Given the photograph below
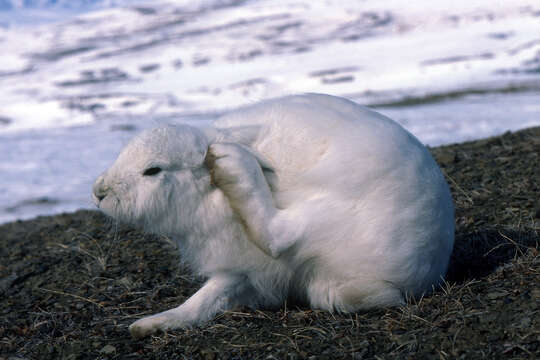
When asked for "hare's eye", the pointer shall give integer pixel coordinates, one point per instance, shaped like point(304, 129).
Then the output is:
point(152, 171)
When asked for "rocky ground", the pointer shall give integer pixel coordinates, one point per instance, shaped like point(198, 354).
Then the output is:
point(71, 284)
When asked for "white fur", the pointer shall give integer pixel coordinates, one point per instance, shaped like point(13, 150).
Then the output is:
point(309, 196)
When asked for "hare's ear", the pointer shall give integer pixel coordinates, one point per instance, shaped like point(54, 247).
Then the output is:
point(243, 134)
point(209, 159)
point(268, 172)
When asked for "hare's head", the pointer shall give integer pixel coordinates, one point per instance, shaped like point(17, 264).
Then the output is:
point(157, 179)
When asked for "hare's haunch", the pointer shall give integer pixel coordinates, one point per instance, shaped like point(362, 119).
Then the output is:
point(309, 196)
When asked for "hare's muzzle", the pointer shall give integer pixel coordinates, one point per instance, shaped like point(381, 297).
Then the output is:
point(99, 190)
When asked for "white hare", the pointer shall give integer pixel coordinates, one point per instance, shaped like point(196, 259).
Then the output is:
point(308, 196)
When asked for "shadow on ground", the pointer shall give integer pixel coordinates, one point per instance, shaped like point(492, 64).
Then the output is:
point(477, 255)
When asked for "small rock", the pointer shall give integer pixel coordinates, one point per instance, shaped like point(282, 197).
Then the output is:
point(200, 60)
point(489, 318)
point(108, 349)
point(126, 282)
point(525, 322)
point(504, 159)
point(208, 354)
point(149, 68)
point(143, 10)
point(495, 295)
point(358, 355)
point(5, 283)
point(446, 158)
point(123, 127)
point(292, 356)
point(177, 64)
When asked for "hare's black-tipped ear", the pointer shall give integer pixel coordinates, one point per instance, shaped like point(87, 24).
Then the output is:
point(209, 159)
point(209, 163)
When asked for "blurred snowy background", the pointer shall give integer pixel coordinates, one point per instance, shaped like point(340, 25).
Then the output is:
point(78, 78)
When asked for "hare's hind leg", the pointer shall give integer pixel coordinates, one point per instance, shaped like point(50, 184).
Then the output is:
point(352, 295)
point(239, 175)
point(221, 292)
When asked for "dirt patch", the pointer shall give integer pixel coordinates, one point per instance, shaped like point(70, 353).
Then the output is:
point(71, 284)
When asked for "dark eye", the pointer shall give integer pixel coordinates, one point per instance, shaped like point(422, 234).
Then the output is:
point(152, 171)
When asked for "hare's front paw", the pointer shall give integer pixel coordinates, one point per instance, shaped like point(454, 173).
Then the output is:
point(234, 169)
point(166, 320)
point(148, 325)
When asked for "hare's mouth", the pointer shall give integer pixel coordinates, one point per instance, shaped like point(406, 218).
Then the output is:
point(100, 200)
point(97, 201)
point(109, 205)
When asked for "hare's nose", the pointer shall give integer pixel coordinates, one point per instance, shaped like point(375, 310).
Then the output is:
point(99, 189)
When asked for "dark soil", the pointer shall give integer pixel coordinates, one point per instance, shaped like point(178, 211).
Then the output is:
point(71, 284)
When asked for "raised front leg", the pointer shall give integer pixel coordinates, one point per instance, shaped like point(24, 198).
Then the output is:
point(220, 293)
point(239, 175)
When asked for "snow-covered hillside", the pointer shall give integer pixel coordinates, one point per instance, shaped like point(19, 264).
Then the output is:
point(164, 58)
point(74, 90)
point(8, 5)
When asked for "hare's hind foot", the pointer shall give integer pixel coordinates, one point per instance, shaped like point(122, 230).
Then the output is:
point(237, 172)
point(353, 295)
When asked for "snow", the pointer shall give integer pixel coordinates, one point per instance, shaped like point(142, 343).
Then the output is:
point(80, 80)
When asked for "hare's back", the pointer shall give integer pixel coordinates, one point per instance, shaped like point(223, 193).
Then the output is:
point(317, 135)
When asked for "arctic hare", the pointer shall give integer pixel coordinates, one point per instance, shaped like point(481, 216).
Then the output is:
point(308, 196)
